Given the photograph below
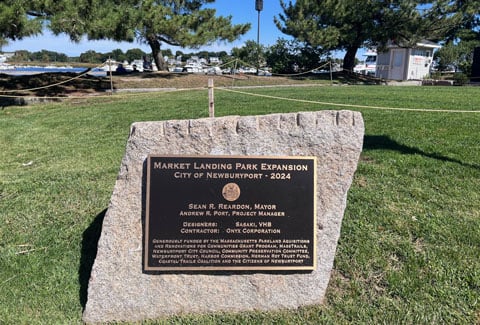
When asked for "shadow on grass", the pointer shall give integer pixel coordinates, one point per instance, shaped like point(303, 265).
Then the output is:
point(162, 75)
point(346, 77)
point(52, 84)
point(383, 142)
point(89, 252)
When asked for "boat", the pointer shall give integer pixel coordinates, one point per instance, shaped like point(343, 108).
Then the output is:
point(3, 61)
point(193, 67)
point(369, 65)
point(5, 66)
point(214, 70)
point(136, 65)
point(109, 65)
point(5, 56)
point(176, 69)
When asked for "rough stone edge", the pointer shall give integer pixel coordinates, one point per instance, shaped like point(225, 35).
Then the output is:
point(343, 122)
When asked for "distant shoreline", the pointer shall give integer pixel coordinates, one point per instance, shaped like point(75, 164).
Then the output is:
point(25, 70)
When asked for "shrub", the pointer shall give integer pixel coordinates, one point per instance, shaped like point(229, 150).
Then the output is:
point(460, 79)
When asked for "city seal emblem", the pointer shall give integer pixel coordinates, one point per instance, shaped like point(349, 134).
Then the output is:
point(231, 192)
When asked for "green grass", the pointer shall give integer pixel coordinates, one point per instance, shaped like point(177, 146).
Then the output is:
point(410, 243)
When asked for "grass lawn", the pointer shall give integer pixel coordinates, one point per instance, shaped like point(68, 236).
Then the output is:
point(410, 243)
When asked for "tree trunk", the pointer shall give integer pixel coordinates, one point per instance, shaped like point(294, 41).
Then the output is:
point(349, 58)
point(157, 54)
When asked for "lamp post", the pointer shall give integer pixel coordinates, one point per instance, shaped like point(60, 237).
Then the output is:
point(258, 8)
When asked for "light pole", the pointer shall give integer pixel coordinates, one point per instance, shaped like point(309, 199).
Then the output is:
point(258, 8)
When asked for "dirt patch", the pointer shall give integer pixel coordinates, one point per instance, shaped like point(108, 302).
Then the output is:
point(182, 81)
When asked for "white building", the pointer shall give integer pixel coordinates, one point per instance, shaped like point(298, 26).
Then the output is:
point(215, 60)
point(406, 63)
point(4, 56)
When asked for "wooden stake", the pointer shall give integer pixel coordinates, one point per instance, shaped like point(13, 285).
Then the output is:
point(109, 62)
point(331, 73)
point(211, 100)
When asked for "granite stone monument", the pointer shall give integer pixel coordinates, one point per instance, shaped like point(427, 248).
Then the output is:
point(255, 152)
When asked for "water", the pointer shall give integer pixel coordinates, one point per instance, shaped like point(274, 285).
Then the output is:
point(25, 71)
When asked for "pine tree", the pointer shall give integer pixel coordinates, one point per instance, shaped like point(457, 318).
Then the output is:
point(182, 23)
point(15, 23)
point(350, 24)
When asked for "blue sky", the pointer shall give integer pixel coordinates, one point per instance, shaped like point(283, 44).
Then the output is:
point(242, 11)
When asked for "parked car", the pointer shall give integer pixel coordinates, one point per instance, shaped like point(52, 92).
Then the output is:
point(265, 73)
point(214, 70)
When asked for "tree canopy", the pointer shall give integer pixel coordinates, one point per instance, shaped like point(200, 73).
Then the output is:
point(250, 53)
point(350, 24)
point(189, 25)
point(182, 23)
point(15, 23)
point(292, 56)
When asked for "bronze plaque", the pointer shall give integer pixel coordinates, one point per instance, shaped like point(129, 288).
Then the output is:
point(230, 213)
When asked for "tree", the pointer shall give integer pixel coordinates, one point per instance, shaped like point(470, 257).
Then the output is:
point(446, 57)
point(469, 40)
point(175, 22)
point(350, 24)
point(155, 22)
point(15, 22)
point(134, 54)
point(462, 37)
point(23, 18)
point(225, 58)
point(48, 56)
point(118, 55)
point(458, 54)
point(251, 53)
point(292, 56)
point(460, 19)
point(344, 25)
point(21, 56)
point(91, 57)
point(167, 52)
point(280, 58)
point(309, 56)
